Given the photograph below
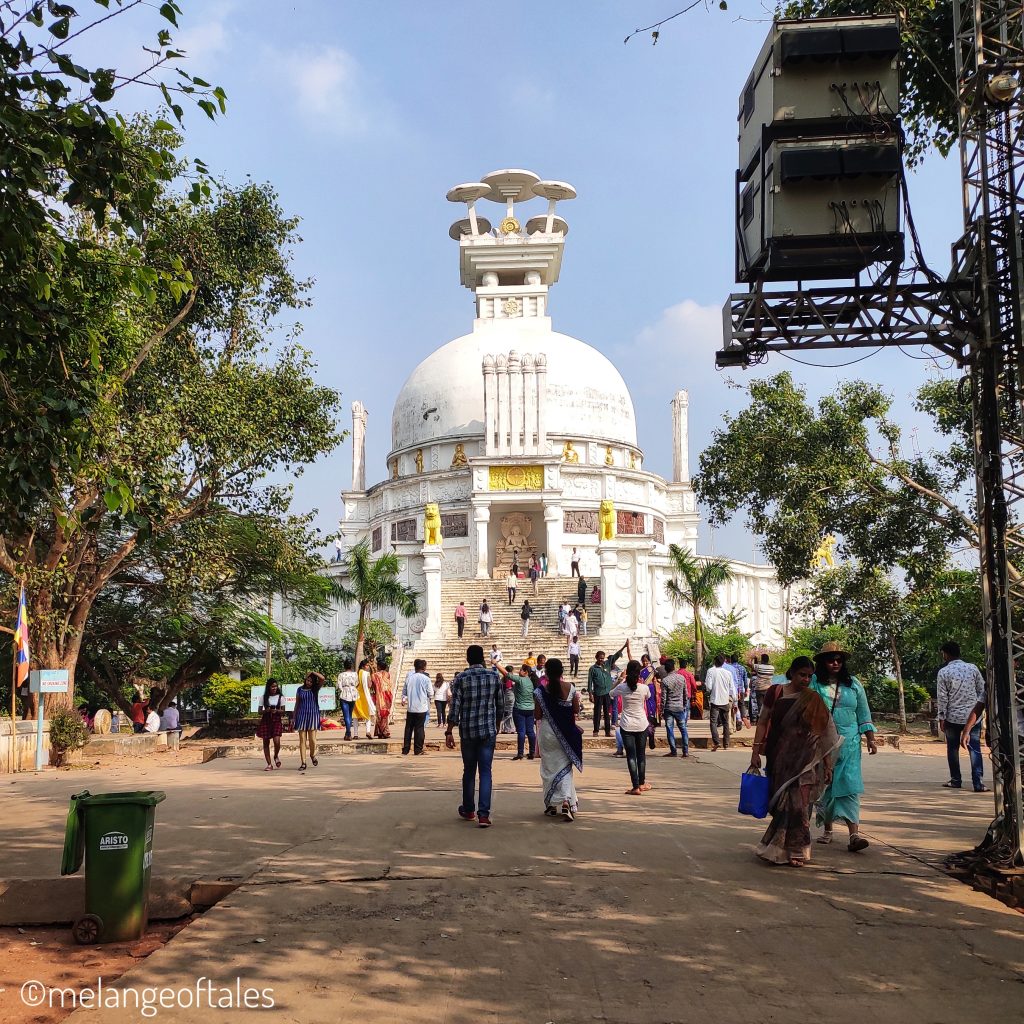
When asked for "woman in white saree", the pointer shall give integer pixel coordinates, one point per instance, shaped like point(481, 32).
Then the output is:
point(559, 740)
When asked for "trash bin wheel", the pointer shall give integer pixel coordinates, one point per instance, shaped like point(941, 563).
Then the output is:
point(87, 929)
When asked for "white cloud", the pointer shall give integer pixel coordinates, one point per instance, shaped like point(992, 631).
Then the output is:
point(328, 88)
point(205, 41)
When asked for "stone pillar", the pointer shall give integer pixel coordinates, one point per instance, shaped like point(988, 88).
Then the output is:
point(432, 595)
point(529, 405)
point(490, 405)
point(481, 517)
point(609, 559)
point(501, 369)
point(515, 403)
point(542, 403)
point(553, 524)
point(680, 438)
point(359, 416)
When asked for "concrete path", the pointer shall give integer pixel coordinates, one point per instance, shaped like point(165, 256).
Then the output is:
point(377, 904)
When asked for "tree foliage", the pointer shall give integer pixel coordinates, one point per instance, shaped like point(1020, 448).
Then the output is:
point(81, 191)
point(196, 413)
point(373, 583)
point(378, 636)
point(193, 601)
point(799, 472)
point(694, 584)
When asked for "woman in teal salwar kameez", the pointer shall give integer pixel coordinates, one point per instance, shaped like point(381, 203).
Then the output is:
point(845, 698)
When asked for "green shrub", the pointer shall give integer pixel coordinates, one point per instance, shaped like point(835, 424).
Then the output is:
point(225, 697)
point(67, 733)
point(883, 696)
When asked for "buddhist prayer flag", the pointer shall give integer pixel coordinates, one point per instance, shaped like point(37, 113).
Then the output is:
point(21, 654)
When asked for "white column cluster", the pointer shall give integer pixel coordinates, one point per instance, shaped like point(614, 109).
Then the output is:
point(515, 403)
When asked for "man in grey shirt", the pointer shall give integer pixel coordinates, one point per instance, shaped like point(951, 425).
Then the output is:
point(675, 707)
point(762, 672)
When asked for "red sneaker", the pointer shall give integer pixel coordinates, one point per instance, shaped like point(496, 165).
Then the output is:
point(485, 821)
point(467, 815)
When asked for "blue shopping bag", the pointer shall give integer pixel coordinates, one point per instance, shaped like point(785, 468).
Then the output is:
point(754, 794)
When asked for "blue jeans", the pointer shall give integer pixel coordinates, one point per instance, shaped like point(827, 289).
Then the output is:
point(346, 713)
point(953, 733)
point(477, 755)
point(524, 730)
point(619, 749)
point(671, 719)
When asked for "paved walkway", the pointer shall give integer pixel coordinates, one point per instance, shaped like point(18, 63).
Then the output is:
point(378, 905)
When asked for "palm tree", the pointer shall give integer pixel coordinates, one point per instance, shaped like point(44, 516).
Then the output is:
point(373, 583)
point(696, 584)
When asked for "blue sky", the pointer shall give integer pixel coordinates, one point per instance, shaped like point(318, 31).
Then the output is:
point(362, 115)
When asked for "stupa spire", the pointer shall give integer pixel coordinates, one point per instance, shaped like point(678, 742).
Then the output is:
point(511, 268)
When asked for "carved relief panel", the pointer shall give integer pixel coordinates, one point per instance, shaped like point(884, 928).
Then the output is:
point(580, 521)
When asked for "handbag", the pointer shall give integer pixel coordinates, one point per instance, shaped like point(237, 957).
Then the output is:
point(754, 794)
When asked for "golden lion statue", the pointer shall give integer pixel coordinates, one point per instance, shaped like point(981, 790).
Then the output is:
point(823, 557)
point(606, 518)
point(432, 524)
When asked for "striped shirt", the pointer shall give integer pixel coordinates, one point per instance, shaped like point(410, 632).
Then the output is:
point(478, 702)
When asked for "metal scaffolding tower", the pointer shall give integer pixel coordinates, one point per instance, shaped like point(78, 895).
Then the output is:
point(976, 317)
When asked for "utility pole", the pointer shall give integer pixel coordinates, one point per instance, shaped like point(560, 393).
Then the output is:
point(975, 316)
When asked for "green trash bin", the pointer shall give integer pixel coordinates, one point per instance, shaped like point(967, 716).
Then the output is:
point(113, 832)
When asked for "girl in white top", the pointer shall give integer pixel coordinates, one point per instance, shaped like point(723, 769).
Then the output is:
point(441, 691)
point(633, 725)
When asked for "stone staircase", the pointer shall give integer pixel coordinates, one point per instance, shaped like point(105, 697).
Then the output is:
point(448, 654)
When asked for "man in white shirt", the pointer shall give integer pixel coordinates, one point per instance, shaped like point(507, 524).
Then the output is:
point(574, 656)
point(170, 720)
point(496, 658)
point(152, 721)
point(574, 563)
point(416, 694)
point(960, 690)
point(720, 685)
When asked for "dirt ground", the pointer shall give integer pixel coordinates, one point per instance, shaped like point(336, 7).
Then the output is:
point(50, 954)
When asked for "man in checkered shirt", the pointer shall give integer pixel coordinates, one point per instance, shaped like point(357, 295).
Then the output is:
point(960, 689)
point(477, 708)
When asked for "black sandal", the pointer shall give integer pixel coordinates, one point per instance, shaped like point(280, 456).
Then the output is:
point(302, 767)
point(316, 763)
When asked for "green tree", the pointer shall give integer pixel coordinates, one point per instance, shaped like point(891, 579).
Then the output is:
point(378, 636)
point(298, 654)
point(806, 640)
point(876, 614)
point(189, 602)
point(695, 584)
point(373, 583)
point(191, 423)
point(76, 180)
point(800, 472)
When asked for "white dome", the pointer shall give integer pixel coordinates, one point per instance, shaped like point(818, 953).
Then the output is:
point(444, 395)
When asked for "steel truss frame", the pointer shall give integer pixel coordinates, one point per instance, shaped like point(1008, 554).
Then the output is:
point(976, 318)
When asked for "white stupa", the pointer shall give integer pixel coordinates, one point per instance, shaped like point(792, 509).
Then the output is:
point(520, 435)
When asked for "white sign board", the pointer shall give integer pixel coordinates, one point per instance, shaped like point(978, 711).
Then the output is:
point(48, 680)
point(327, 698)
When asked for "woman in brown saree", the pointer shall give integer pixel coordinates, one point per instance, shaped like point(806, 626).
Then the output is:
point(798, 737)
point(380, 687)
